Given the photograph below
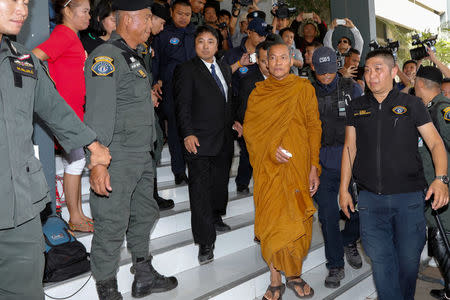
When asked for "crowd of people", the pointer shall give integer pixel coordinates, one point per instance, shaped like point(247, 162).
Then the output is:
point(310, 126)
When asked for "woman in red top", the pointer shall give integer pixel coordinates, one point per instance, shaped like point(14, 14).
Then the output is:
point(66, 56)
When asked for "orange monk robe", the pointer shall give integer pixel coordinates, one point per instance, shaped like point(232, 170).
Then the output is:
point(283, 112)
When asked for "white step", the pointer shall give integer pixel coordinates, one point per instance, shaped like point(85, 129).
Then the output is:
point(181, 220)
point(172, 254)
point(362, 291)
point(165, 177)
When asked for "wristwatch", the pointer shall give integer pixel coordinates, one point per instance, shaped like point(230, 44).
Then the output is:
point(443, 178)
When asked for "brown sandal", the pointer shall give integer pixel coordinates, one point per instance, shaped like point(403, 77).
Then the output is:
point(85, 226)
point(290, 283)
point(273, 289)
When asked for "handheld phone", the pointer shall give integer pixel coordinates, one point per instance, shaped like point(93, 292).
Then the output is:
point(340, 22)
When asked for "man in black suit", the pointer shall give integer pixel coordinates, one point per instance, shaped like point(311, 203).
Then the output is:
point(202, 93)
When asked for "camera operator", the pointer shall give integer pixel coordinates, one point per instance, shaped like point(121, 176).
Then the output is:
point(428, 87)
point(281, 14)
point(308, 30)
point(210, 16)
point(345, 42)
point(350, 69)
point(224, 17)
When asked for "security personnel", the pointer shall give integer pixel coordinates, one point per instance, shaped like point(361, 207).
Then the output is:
point(25, 89)
point(383, 128)
point(173, 46)
point(333, 93)
point(427, 87)
point(119, 107)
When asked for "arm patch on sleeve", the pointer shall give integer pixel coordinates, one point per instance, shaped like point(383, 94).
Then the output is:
point(446, 114)
point(103, 66)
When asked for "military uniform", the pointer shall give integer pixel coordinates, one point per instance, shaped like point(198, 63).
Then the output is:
point(26, 88)
point(120, 109)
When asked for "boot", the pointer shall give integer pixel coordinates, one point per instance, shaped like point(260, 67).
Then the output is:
point(147, 280)
point(437, 245)
point(163, 204)
point(107, 289)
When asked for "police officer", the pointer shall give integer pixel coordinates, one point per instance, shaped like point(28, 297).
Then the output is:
point(174, 45)
point(119, 107)
point(25, 89)
point(427, 87)
point(382, 131)
point(333, 93)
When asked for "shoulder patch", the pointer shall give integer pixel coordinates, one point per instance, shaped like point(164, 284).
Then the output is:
point(174, 41)
point(103, 66)
point(243, 70)
point(399, 110)
point(446, 113)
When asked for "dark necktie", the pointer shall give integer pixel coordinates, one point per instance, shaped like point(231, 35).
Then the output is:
point(216, 78)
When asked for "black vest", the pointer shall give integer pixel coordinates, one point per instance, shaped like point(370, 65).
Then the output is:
point(332, 111)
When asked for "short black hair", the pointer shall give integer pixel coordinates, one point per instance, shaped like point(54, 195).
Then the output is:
point(353, 51)
point(314, 44)
point(206, 28)
point(100, 12)
point(224, 12)
point(385, 53)
point(180, 2)
point(276, 43)
point(409, 61)
point(209, 5)
point(264, 46)
point(282, 31)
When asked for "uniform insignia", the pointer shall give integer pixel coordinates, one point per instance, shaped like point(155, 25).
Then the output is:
point(23, 67)
point(446, 113)
point(243, 70)
point(174, 41)
point(142, 73)
point(23, 57)
point(362, 112)
point(399, 110)
point(145, 49)
point(103, 66)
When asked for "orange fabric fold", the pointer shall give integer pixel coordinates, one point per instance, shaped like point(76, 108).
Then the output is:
point(283, 112)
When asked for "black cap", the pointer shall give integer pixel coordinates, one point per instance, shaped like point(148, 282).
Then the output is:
point(257, 14)
point(161, 10)
point(131, 5)
point(430, 73)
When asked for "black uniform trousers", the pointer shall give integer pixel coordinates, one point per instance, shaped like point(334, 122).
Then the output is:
point(208, 191)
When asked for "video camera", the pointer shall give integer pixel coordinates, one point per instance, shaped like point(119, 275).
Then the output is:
point(421, 52)
point(390, 45)
point(283, 11)
point(242, 2)
point(222, 26)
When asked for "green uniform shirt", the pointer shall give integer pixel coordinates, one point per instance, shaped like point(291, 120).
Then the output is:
point(439, 109)
point(26, 88)
point(118, 97)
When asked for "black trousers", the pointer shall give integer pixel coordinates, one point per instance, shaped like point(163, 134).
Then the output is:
point(208, 192)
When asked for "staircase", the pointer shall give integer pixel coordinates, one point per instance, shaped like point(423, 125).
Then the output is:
point(238, 271)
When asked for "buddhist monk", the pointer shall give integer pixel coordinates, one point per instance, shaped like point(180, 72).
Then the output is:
point(283, 131)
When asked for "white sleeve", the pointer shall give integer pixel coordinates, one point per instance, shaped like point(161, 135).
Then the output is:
point(327, 41)
point(359, 42)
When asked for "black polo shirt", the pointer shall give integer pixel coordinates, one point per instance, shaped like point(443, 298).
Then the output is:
point(387, 158)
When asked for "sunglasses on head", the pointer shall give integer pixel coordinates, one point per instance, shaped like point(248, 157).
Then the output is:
point(343, 41)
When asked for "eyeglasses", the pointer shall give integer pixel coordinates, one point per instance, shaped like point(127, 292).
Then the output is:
point(343, 41)
point(67, 3)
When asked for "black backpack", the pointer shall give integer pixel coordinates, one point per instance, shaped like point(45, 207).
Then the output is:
point(65, 257)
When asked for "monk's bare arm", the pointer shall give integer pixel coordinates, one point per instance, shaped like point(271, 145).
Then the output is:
point(348, 157)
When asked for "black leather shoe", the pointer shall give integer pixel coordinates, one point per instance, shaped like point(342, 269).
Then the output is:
point(164, 204)
point(242, 189)
point(221, 226)
point(179, 178)
point(205, 254)
point(147, 280)
point(438, 294)
point(107, 289)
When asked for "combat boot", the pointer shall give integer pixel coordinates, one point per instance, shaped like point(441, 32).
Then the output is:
point(438, 250)
point(107, 289)
point(147, 280)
